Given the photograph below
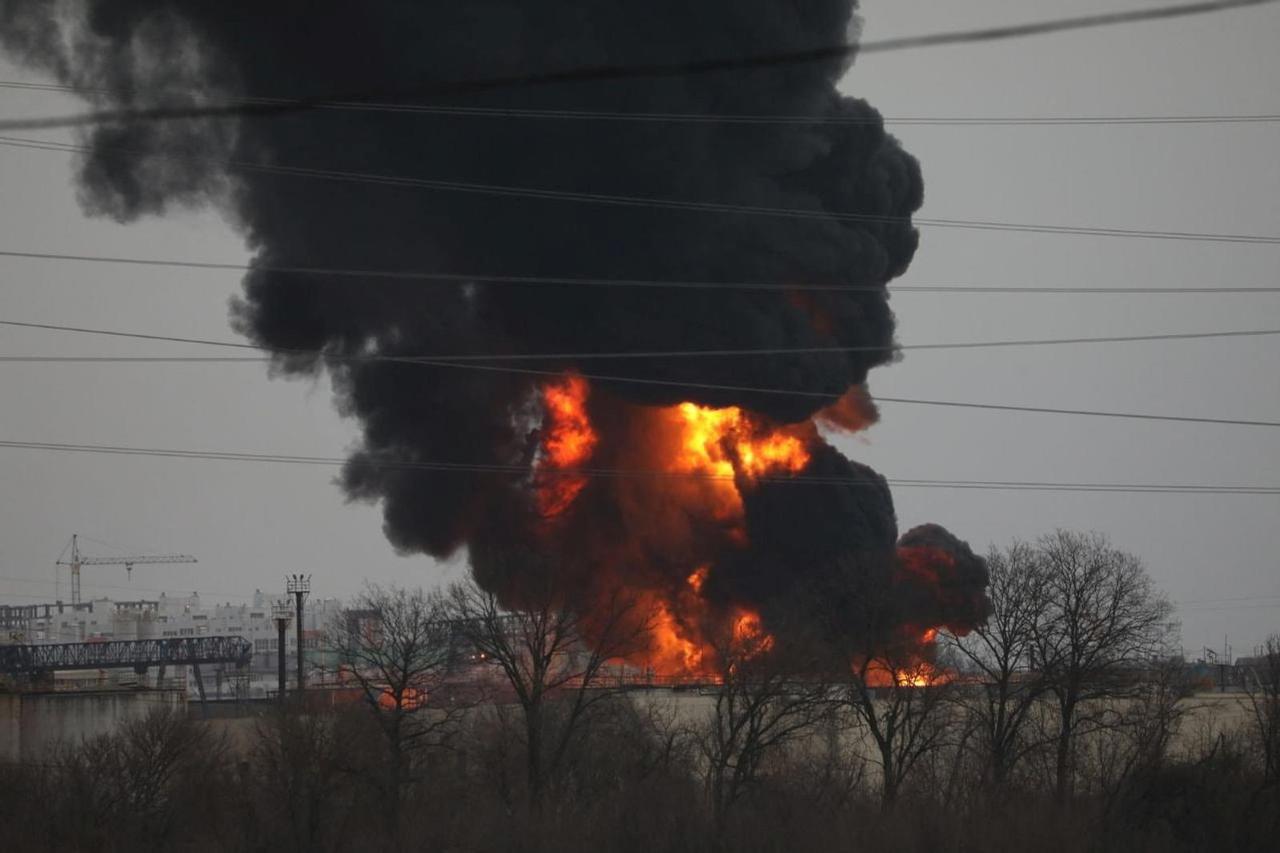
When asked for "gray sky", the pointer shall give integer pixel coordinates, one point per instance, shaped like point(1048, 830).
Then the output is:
point(250, 523)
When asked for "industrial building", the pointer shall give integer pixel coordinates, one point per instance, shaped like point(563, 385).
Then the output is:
point(165, 617)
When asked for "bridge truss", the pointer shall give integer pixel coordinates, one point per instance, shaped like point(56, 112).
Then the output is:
point(135, 654)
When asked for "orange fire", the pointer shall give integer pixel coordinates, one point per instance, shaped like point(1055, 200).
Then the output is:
point(919, 673)
point(567, 441)
point(411, 699)
point(723, 444)
point(726, 441)
point(677, 649)
point(749, 635)
point(697, 579)
point(917, 676)
point(670, 648)
point(729, 449)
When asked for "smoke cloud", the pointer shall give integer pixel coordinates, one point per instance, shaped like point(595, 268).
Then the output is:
point(642, 531)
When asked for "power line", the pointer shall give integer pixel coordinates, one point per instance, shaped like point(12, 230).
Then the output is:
point(446, 278)
point(691, 385)
point(611, 200)
point(587, 356)
point(521, 470)
point(749, 118)
point(655, 70)
point(590, 376)
point(596, 377)
point(1069, 120)
point(578, 356)
point(1054, 26)
point(1080, 412)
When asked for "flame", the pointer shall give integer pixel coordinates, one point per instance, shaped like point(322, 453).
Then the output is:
point(677, 645)
point(697, 579)
point(671, 649)
point(567, 441)
point(676, 648)
point(411, 699)
point(731, 449)
point(726, 445)
point(749, 636)
point(919, 673)
point(716, 439)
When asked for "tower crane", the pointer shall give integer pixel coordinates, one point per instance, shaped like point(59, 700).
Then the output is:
point(77, 560)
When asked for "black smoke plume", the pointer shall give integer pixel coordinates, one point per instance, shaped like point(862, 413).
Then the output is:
point(143, 53)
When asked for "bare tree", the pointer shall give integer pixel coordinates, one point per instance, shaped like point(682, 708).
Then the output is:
point(764, 703)
point(1156, 711)
point(1262, 686)
point(1103, 619)
point(395, 645)
point(1001, 651)
point(904, 704)
point(140, 786)
point(555, 675)
point(1134, 749)
point(298, 758)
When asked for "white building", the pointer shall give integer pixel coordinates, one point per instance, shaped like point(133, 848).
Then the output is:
point(190, 616)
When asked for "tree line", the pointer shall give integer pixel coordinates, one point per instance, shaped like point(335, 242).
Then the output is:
point(1063, 723)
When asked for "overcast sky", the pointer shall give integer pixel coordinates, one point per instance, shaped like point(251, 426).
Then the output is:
point(1216, 555)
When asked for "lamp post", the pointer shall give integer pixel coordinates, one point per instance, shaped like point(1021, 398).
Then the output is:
point(298, 586)
point(282, 613)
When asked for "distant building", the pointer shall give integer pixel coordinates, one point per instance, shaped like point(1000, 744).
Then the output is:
point(184, 616)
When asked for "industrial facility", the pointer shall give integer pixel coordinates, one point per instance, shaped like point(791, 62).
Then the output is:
point(74, 669)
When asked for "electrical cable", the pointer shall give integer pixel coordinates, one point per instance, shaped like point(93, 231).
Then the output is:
point(654, 70)
point(746, 118)
point(482, 278)
point(611, 200)
point(590, 376)
point(625, 379)
point(642, 354)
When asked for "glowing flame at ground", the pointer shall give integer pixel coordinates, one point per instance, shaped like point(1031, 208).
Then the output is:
point(724, 444)
point(917, 676)
point(920, 672)
point(671, 651)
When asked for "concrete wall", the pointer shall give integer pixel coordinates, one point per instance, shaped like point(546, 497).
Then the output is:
point(10, 714)
point(32, 723)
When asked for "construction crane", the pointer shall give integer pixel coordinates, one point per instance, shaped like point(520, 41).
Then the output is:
point(77, 560)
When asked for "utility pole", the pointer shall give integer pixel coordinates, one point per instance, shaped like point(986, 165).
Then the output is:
point(298, 586)
point(282, 613)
